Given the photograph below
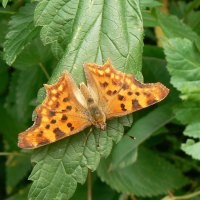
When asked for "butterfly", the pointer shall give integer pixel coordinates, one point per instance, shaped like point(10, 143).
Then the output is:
point(68, 109)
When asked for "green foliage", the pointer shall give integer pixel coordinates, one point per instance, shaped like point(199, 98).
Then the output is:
point(184, 67)
point(41, 39)
point(21, 32)
point(137, 178)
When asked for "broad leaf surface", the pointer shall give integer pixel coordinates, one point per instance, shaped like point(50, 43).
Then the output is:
point(184, 67)
point(124, 153)
point(100, 29)
point(149, 176)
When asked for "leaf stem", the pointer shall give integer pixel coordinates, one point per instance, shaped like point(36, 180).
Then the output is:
point(44, 70)
point(89, 185)
point(13, 154)
point(184, 197)
point(7, 12)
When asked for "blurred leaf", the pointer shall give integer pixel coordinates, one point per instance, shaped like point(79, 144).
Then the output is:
point(4, 77)
point(10, 101)
point(192, 148)
point(33, 55)
point(29, 82)
point(4, 3)
point(21, 32)
point(20, 195)
point(17, 167)
point(141, 130)
point(149, 19)
point(193, 130)
point(9, 128)
point(149, 3)
point(184, 67)
point(23, 90)
point(99, 31)
point(173, 27)
point(192, 19)
point(149, 176)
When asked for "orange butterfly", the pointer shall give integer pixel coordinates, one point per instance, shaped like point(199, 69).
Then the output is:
point(68, 110)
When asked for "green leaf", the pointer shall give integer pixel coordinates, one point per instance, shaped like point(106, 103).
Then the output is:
point(184, 67)
point(20, 195)
point(10, 127)
point(100, 30)
point(141, 130)
point(4, 3)
point(23, 91)
point(17, 168)
point(149, 3)
point(192, 148)
point(193, 130)
point(56, 19)
point(33, 56)
point(29, 82)
point(149, 176)
point(60, 166)
point(21, 32)
point(173, 27)
point(4, 77)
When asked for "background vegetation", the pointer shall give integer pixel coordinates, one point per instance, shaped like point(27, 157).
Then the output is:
point(157, 41)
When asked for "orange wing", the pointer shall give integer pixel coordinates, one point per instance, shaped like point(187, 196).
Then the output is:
point(120, 93)
point(60, 115)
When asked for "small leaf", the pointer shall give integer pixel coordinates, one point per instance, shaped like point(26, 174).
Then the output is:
point(21, 32)
point(149, 176)
point(193, 130)
point(4, 3)
point(192, 148)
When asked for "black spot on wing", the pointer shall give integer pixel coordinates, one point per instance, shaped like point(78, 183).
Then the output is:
point(135, 104)
point(58, 133)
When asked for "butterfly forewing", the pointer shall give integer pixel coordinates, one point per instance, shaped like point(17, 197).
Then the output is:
point(59, 116)
point(122, 93)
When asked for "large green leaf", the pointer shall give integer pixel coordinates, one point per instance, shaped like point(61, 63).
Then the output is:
point(21, 32)
point(150, 175)
point(125, 152)
point(184, 67)
point(100, 30)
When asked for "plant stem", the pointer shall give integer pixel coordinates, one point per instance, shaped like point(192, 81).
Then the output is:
point(13, 154)
point(44, 70)
point(7, 12)
point(89, 185)
point(184, 197)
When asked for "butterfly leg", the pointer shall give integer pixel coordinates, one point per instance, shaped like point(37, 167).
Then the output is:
point(87, 136)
